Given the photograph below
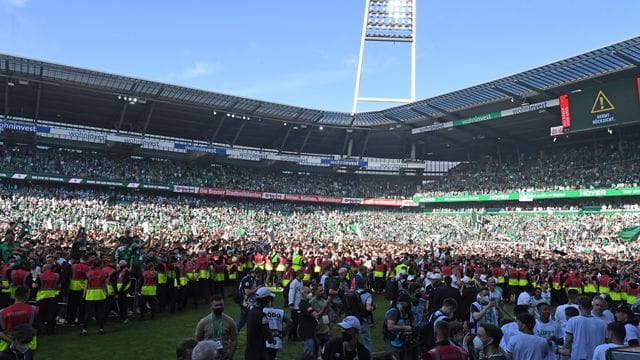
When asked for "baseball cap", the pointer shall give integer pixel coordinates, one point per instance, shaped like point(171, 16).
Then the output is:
point(436, 276)
point(350, 322)
point(466, 279)
point(264, 292)
point(411, 278)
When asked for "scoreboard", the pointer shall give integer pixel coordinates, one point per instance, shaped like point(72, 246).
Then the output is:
point(609, 104)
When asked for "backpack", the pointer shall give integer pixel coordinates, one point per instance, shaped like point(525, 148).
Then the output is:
point(387, 334)
point(430, 336)
point(238, 295)
point(391, 290)
point(353, 305)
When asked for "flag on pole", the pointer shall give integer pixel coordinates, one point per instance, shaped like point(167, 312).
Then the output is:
point(630, 234)
point(355, 228)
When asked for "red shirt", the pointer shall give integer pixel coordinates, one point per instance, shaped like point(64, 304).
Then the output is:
point(17, 314)
point(96, 279)
point(79, 271)
point(19, 277)
point(48, 280)
point(203, 263)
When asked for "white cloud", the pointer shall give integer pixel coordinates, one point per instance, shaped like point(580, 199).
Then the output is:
point(15, 3)
point(202, 68)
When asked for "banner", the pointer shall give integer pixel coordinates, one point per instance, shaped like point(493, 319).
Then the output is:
point(490, 116)
point(530, 196)
point(565, 115)
point(630, 234)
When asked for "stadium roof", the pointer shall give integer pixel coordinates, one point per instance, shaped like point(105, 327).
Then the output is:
point(54, 92)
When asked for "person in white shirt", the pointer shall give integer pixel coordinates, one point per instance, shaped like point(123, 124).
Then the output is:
point(583, 333)
point(511, 329)
point(625, 315)
point(525, 297)
point(548, 330)
point(295, 296)
point(526, 345)
point(560, 316)
point(600, 310)
point(615, 333)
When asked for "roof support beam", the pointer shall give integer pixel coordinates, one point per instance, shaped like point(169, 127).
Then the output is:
point(37, 112)
point(507, 93)
point(6, 98)
point(124, 111)
point(420, 112)
point(344, 144)
point(284, 140)
point(235, 138)
point(550, 94)
point(391, 117)
point(448, 113)
point(148, 119)
point(306, 138)
point(364, 146)
point(215, 133)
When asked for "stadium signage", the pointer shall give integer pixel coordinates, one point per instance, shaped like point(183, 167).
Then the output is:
point(609, 104)
point(490, 116)
point(347, 162)
point(94, 136)
point(18, 127)
point(530, 196)
point(201, 148)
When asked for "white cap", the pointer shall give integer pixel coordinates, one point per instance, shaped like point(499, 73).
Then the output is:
point(436, 276)
point(466, 279)
point(410, 278)
point(483, 278)
point(350, 322)
point(264, 292)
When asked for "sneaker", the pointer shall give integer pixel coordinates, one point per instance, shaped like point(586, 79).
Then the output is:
point(126, 321)
point(101, 332)
point(83, 332)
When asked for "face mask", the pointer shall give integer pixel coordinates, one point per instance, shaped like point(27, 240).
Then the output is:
point(218, 311)
point(477, 344)
point(484, 300)
point(309, 296)
point(346, 337)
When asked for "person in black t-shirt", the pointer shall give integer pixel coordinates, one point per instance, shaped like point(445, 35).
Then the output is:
point(346, 347)
point(258, 332)
point(307, 323)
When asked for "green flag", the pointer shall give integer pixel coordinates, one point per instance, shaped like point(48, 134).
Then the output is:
point(355, 228)
point(630, 234)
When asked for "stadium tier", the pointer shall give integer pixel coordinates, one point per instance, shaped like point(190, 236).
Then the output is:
point(529, 181)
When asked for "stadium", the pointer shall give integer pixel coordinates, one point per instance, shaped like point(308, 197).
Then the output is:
point(530, 180)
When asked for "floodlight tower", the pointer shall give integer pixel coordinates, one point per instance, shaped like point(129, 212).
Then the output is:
point(388, 20)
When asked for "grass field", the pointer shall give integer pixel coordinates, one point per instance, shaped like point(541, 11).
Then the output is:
point(157, 339)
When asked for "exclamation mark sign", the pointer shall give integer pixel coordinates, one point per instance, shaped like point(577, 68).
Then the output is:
point(601, 102)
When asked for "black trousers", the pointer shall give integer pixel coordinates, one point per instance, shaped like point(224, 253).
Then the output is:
point(95, 308)
point(293, 330)
point(192, 292)
point(75, 306)
point(203, 288)
point(48, 310)
point(123, 305)
point(147, 299)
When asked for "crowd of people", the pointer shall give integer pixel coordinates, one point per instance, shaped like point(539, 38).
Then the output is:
point(603, 165)
point(137, 254)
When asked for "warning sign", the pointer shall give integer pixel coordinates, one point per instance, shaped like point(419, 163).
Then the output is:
point(602, 104)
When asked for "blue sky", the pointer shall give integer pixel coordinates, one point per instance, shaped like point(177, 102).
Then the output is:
point(305, 53)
